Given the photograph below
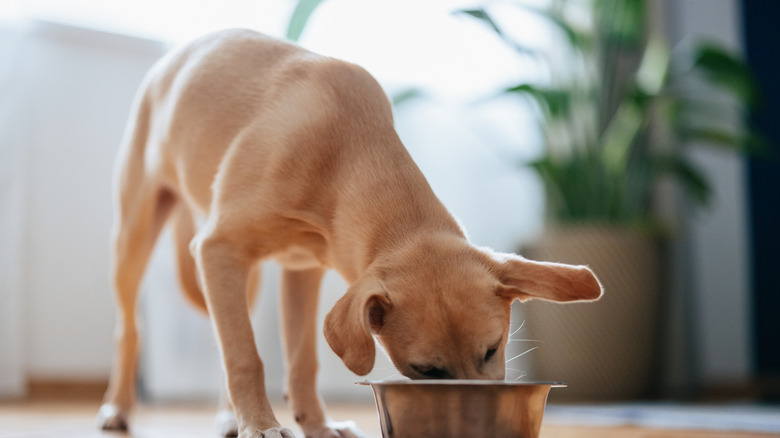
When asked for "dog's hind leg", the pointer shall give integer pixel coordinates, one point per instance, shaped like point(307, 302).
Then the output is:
point(142, 208)
point(299, 299)
point(142, 216)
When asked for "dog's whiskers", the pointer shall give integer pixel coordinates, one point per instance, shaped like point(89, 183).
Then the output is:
point(521, 354)
point(520, 373)
point(517, 329)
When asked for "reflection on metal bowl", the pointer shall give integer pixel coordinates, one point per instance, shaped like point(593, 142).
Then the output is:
point(460, 408)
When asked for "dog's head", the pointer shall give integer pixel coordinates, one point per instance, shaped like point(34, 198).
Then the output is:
point(441, 309)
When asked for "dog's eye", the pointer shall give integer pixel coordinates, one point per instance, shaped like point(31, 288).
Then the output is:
point(430, 372)
point(490, 353)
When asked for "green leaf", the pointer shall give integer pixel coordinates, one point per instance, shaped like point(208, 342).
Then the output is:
point(726, 70)
point(300, 16)
point(556, 102)
point(742, 140)
point(558, 185)
point(407, 95)
point(576, 38)
point(622, 22)
point(689, 176)
point(653, 69)
point(621, 132)
point(482, 15)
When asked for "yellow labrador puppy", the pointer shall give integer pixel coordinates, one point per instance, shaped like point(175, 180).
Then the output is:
point(289, 155)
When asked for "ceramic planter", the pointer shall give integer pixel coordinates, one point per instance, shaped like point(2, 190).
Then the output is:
point(604, 350)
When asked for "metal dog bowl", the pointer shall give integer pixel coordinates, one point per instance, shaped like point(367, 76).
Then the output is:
point(460, 408)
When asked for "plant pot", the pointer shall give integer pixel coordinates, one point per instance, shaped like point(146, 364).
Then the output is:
point(604, 350)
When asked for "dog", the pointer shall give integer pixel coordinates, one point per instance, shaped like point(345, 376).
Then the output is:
point(288, 155)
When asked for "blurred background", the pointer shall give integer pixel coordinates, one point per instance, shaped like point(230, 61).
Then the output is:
point(532, 120)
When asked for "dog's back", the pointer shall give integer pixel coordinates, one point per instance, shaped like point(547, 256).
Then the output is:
point(239, 83)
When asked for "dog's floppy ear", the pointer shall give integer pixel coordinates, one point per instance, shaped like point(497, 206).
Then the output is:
point(520, 278)
point(351, 322)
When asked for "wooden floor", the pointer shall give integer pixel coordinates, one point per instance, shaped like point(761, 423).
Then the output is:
point(75, 419)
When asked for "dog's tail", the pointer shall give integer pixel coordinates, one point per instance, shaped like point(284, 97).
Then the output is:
point(183, 232)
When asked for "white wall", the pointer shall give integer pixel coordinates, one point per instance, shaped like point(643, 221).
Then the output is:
point(71, 91)
point(12, 164)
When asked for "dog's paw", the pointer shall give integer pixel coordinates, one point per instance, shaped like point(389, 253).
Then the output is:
point(227, 424)
point(337, 429)
point(276, 432)
point(112, 418)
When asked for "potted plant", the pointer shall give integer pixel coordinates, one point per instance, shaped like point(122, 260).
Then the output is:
point(618, 115)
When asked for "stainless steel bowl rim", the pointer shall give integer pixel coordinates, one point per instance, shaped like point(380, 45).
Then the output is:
point(453, 382)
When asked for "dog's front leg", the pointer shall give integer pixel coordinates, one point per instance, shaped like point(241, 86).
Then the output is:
point(224, 272)
point(299, 298)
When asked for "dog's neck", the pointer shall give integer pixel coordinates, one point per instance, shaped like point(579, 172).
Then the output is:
point(401, 209)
